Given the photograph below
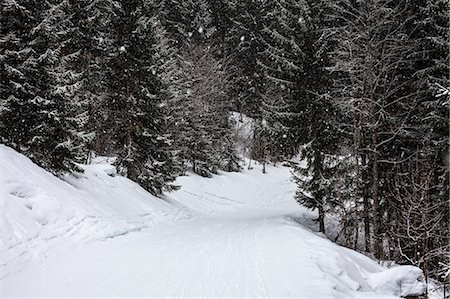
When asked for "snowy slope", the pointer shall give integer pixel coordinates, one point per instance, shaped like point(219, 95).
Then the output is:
point(242, 242)
point(40, 212)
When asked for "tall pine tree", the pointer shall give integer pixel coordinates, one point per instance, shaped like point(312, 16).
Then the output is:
point(138, 98)
point(36, 114)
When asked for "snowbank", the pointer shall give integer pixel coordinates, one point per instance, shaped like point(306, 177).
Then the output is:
point(401, 281)
point(40, 212)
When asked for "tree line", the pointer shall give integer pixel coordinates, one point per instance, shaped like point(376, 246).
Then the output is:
point(123, 78)
point(358, 88)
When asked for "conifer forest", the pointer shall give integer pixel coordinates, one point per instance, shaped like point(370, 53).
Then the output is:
point(345, 103)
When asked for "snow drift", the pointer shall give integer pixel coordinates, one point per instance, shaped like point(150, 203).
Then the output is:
point(40, 211)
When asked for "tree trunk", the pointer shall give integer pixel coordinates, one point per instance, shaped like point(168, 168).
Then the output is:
point(369, 92)
point(130, 160)
point(356, 228)
point(375, 198)
point(98, 138)
point(321, 218)
point(318, 168)
point(366, 206)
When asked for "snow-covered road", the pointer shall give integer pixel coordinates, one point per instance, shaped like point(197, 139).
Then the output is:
point(254, 254)
point(237, 238)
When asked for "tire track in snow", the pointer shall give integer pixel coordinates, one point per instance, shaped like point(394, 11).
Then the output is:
point(259, 262)
point(234, 260)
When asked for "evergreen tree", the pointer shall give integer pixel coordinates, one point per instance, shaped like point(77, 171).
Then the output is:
point(207, 129)
point(170, 70)
point(423, 147)
point(199, 118)
point(245, 45)
point(65, 79)
point(92, 38)
point(282, 60)
point(222, 15)
point(298, 109)
point(186, 21)
point(35, 113)
point(137, 92)
point(237, 40)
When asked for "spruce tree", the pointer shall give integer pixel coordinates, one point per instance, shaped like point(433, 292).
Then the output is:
point(207, 128)
point(423, 146)
point(282, 61)
point(92, 38)
point(237, 40)
point(169, 68)
point(186, 21)
point(245, 45)
point(298, 110)
point(141, 126)
point(36, 115)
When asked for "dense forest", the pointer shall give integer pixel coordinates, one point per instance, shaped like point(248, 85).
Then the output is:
point(358, 88)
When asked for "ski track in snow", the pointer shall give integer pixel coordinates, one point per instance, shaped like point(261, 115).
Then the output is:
point(241, 244)
point(205, 257)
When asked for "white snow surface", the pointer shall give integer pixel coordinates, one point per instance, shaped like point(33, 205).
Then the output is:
point(41, 213)
point(234, 235)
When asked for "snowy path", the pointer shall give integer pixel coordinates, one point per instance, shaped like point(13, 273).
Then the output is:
point(258, 255)
point(241, 244)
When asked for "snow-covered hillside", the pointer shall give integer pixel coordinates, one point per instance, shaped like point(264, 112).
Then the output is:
point(40, 212)
point(233, 235)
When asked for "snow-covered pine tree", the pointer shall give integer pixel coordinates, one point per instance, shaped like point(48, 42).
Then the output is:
point(35, 117)
point(299, 110)
point(371, 46)
point(419, 178)
point(144, 153)
point(222, 14)
point(92, 38)
point(244, 44)
point(237, 41)
point(186, 21)
point(198, 90)
point(17, 65)
point(169, 69)
point(282, 61)
point(66, 80)
point(207, 128)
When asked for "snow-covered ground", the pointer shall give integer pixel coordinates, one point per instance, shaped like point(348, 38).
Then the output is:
point(233, 235)
point(42, 214)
